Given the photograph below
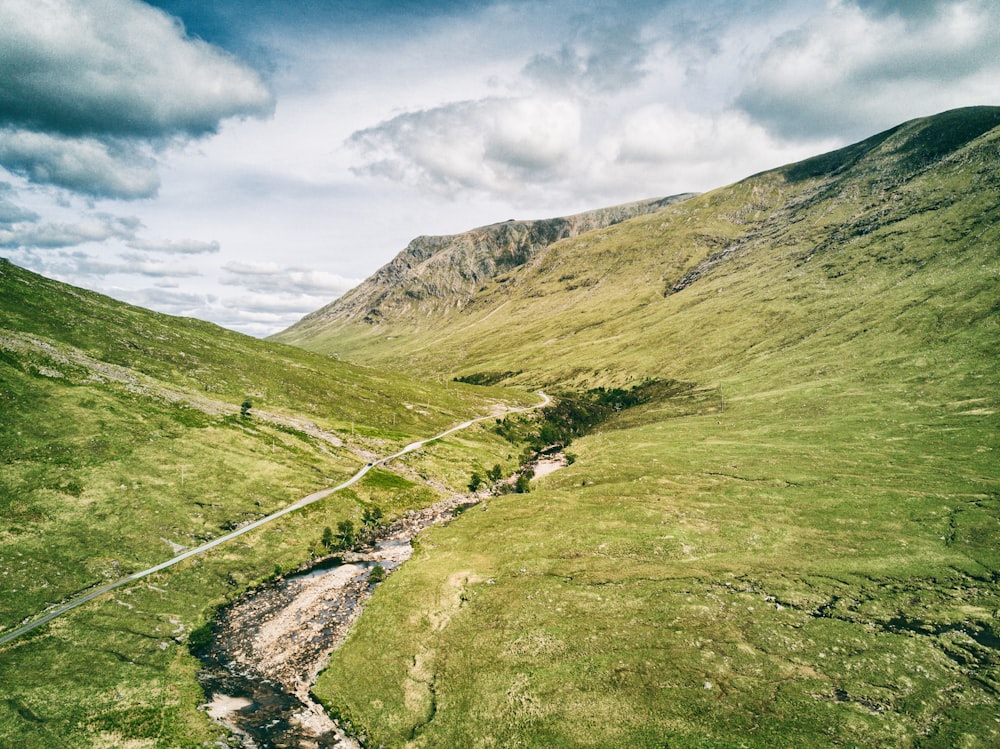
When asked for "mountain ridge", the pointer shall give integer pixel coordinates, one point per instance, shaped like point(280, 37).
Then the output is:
point(437, 273)
point(624, 282)
point(808, 557)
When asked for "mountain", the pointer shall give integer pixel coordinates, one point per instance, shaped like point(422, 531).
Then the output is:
point(779, 404)
point(813, 251)
point(435, 275)
point(788, 539)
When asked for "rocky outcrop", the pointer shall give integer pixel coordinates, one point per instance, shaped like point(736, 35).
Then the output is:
point(434, 274)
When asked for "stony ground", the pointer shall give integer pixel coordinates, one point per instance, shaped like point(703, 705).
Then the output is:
point(285, 632)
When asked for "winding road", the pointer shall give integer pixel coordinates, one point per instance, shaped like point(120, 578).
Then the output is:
point(305, 501)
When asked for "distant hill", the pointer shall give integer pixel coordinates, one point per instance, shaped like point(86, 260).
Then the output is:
point(792, 542)
point(435, 275)
point(864, 242)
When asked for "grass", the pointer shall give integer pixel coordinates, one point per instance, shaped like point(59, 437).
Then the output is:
point(121, 444)
point(728, 580)
point(808, 559)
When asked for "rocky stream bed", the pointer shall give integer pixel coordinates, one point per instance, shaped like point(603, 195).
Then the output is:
point(271, 643)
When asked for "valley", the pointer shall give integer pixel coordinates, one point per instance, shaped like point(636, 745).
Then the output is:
point(124, 446)
point(776, 524)
point(737, 570)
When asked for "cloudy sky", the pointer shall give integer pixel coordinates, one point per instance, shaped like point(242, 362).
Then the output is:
point(247, 161)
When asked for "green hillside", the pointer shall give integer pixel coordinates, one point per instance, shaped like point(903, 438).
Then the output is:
point(809, 559)
point(122, 444)
point(789, 540)
point(788, 261)
point(436, 275)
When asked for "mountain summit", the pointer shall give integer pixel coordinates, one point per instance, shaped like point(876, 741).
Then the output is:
point(790, 541)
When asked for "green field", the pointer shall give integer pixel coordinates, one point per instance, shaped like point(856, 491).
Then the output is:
point(796, 571)
point(810, 560)
point(121, 444)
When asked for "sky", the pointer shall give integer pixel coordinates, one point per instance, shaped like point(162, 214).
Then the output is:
point(248, 161)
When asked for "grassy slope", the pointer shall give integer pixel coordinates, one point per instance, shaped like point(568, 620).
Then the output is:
point(120, 439)
point(841, 235)
point(435, 275)
point(816, 564)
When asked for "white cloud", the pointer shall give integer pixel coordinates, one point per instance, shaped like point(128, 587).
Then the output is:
point(168, 301)
point(11, 213)
point(604, 55)
point(700, 150)
point(270, 278)
point(73, 265)
point(53, 235)
point(117, 67)
point(143, 265)
point(532, 152)
point(176, 247)
point(849, 73)
point(275, 296)
point(81, 164)
point(499, 145)
point(89, 91)
point(659, 134)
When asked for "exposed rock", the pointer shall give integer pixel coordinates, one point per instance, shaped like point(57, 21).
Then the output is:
point(271, 643)
point(434, 274)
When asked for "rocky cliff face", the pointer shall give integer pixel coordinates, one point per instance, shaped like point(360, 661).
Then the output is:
point(434, 274)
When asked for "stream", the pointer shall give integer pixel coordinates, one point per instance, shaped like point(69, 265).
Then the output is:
point(271, 643)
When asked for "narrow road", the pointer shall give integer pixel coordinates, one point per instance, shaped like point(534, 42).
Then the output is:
point(308, 500)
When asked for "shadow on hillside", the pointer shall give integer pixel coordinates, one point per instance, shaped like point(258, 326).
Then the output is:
point(930, 139)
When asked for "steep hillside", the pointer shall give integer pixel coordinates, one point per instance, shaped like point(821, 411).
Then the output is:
point(121, 445)
point(844, 245)
point(808, 558)
point(435, 275)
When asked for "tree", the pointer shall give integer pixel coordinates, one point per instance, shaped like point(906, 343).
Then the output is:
point(523, 484)
point(495, 473)
point(475, 482)
point(376, 574)
point(327, 539)
point(345, 535)
point(372, 517)
point(245, 408)
point(371, 522)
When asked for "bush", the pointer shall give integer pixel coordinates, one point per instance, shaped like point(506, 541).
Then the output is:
point(475, 482)
point(200, 639)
